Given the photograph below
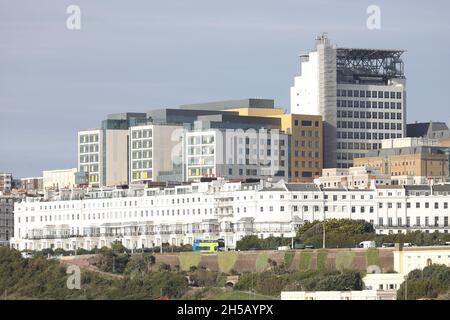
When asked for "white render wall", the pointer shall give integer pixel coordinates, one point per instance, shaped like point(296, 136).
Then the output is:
point(330, 295)
point(409, 259)
point(305, 91)
point(64, 178)
point(116, 158)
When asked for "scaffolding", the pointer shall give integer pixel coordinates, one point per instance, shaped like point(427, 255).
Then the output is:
point(360, 64)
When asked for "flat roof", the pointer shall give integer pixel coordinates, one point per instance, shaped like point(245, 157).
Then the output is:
point(231, 104)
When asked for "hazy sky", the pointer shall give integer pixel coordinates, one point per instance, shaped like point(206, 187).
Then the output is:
point(139, 55)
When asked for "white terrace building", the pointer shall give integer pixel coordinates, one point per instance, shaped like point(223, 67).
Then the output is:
point(146, 217)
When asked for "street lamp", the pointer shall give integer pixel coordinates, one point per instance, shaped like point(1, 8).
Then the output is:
point(323, 231)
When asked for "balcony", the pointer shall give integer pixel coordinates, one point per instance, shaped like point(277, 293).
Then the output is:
point(413, 227)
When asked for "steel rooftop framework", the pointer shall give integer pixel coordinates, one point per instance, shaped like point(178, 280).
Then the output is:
point(360, 63)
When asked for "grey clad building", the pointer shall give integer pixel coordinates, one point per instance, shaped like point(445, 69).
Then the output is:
point(6, 219)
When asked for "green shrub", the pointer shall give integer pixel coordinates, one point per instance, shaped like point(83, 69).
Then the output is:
point(269, 284)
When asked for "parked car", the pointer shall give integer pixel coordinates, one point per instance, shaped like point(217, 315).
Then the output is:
point(309, 247)
point(388, 245)
point(407, 244)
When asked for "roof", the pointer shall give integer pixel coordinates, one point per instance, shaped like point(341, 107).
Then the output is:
point(392, 186)
point(442, 187)
point(336, 189)
point(422, 187)
point(272, 189)
point(420, 150)
point(231, 104)
point(302, 187)
point(422, 129)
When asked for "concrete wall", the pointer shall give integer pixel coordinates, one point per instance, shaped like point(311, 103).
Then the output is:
point(116, 157)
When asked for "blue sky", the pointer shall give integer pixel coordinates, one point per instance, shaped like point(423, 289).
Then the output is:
point(144, 54)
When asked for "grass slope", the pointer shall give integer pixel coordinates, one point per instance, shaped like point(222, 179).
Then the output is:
point(372, 257)
point(322, 257)
point(262, 262)
point(305, 260)
point(227, 260)
point(189, 259)
point(344, 260)
point(288, 258)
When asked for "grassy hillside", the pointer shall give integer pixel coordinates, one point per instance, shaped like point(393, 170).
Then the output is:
point(295, 260)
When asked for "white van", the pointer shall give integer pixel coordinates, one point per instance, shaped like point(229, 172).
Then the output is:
point(367, 244)
point(26, 255)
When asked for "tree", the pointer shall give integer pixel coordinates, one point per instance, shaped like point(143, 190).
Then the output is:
point(340, 232)
point(112, 261)
point(427, 283)
point(204, 278)
point(248, 242)
point(247, 281)
point(253, 242)
point(340, 281)
point(138, 264)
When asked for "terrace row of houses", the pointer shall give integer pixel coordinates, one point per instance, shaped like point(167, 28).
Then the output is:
point(142, 217)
